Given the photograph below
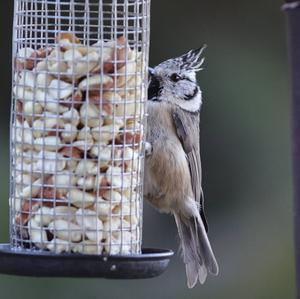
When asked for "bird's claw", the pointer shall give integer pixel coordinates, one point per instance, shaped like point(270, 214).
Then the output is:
point(148, 148)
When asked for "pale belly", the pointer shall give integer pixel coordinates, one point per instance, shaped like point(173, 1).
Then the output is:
point(167, 177)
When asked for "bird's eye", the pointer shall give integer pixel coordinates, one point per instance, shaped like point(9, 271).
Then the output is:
point(175, 77)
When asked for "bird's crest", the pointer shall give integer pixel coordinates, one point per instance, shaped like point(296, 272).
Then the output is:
point(192, 60)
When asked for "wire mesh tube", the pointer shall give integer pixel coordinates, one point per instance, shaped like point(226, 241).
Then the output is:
point(77, 125)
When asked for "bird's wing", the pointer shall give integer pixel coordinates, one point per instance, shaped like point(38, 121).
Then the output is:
point(187, 127)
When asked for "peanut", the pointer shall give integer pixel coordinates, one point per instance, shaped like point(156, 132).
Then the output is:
point(43, 216)
point(86, 183)
point(105, 134)
point(58, 246)
point(69, 133)
point(81, 199)
point(86, 167)
point(90, 115)
point(37, 234)
point(90, 224)
point(49, 162)
point(96, 82)
point(64, 213)
point(48, 143)
point(60, 89)
point(65, 230)
point(87, 247)
point(71, 116)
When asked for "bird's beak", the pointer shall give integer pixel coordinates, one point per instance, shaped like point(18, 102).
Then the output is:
point(150, 72)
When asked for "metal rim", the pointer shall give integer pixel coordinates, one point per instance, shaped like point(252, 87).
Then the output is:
point(147, 253)
point(151, 263)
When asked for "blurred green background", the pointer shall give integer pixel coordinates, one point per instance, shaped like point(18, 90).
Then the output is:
point(246, 152)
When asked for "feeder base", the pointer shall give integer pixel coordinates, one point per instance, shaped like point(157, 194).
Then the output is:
point(151, 263)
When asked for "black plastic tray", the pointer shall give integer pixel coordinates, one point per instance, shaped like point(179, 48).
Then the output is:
point(151, 263)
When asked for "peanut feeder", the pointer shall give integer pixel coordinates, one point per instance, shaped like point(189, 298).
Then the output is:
point(79, 97)
point(79, 92)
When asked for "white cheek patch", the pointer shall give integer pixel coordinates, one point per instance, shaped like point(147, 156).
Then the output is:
point(191, 105)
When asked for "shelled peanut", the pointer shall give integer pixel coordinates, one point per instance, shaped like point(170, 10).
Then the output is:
point(77, 140)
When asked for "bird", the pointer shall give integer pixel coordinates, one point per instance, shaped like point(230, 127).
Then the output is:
point(173, 175)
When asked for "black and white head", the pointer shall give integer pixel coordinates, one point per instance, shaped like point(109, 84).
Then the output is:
point(174, 81)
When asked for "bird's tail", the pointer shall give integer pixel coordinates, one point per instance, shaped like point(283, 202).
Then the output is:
point(197, 254)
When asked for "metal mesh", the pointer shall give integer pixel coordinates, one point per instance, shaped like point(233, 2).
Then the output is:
point(77, 125)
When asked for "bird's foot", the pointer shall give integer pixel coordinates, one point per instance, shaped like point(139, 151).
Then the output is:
point(148, 148)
